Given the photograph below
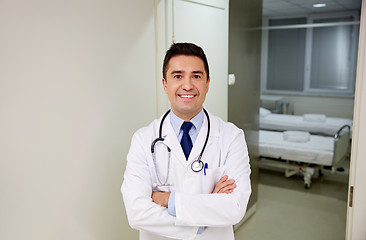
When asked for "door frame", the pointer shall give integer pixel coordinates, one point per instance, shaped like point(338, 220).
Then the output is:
point(356, 211)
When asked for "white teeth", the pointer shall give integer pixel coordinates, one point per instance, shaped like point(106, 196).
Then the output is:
point(187, 96)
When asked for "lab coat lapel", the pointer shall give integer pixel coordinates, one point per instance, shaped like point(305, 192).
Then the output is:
point(171, 140)
point(201, 138)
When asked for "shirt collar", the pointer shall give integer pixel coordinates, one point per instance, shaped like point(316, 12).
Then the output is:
point(177, 122)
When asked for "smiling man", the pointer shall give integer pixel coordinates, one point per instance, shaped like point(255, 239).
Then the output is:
point(187, 173)
point(186, 82)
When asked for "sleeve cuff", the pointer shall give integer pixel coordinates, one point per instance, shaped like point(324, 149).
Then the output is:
point(171, 204)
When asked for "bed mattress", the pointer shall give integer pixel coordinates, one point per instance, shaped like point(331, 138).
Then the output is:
point(282, 122)
point(318, 150)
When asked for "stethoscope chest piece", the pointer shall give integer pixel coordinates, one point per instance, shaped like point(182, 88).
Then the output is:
point(197, 166)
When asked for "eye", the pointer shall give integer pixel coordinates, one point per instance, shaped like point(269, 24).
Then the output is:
point(178, 76)
point(197, 76)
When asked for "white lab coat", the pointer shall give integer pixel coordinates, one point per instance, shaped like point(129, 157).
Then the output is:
point(226, 153)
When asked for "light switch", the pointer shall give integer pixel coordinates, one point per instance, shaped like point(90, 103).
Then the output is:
point(231, 79)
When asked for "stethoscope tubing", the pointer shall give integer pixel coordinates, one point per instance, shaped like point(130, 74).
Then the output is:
point(207, 136)
point(160, 138)
point(196, 165)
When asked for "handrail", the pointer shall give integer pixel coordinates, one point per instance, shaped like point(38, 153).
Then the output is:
point(338, 133)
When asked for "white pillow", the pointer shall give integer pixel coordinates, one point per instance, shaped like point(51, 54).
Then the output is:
point(296, 136)
point(314, 117)
point(264, 112)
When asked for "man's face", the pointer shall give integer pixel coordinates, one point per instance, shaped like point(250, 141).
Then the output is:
point(186, 84)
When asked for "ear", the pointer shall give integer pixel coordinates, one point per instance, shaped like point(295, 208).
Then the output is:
point(164, 85)
point(208, 84)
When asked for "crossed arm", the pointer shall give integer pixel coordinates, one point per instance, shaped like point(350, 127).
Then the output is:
point(144, 207)
point(224, 185)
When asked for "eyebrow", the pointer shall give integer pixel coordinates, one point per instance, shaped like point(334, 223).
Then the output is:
point(176, 71)
point(180, 71)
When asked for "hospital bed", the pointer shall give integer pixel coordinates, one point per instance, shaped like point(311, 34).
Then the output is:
point(302, 152)
point(313, 123)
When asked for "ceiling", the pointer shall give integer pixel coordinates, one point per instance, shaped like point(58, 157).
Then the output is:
point(300, 7)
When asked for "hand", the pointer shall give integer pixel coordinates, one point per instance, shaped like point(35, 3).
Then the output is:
point(161, 198)
point(224, 185)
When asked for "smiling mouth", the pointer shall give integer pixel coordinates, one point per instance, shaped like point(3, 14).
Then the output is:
point(187, 96)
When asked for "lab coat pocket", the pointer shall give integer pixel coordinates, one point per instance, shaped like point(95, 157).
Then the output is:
point(211, 178)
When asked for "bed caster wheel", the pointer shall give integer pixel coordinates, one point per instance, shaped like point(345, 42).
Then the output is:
point(307, 186)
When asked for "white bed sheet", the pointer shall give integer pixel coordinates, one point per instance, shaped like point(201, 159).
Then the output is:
point(319, 150)
point(282, 122)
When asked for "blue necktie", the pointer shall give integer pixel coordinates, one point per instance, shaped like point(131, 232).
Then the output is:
point(186, 141)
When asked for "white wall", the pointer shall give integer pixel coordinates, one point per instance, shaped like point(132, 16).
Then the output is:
point(341, 107)
point(77, 78)
point(331, 106)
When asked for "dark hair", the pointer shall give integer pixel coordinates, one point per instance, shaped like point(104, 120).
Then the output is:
point(187, 49)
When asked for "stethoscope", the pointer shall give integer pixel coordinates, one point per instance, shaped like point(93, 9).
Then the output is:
point(196, 166)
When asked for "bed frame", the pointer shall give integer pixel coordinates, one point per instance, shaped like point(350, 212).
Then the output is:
point(339, 152)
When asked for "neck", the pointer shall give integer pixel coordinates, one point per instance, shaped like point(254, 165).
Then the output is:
point(188, 116)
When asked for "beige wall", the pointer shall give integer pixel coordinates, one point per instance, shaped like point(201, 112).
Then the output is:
point(76, 80)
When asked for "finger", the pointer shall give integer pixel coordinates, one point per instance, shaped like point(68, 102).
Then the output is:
point(160, 198)
point(154, 195)
point(220, 186)
point(226, 183)
point(223, 179)
point(228, 189)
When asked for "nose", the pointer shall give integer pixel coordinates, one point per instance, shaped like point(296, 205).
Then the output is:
point(187, 84)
